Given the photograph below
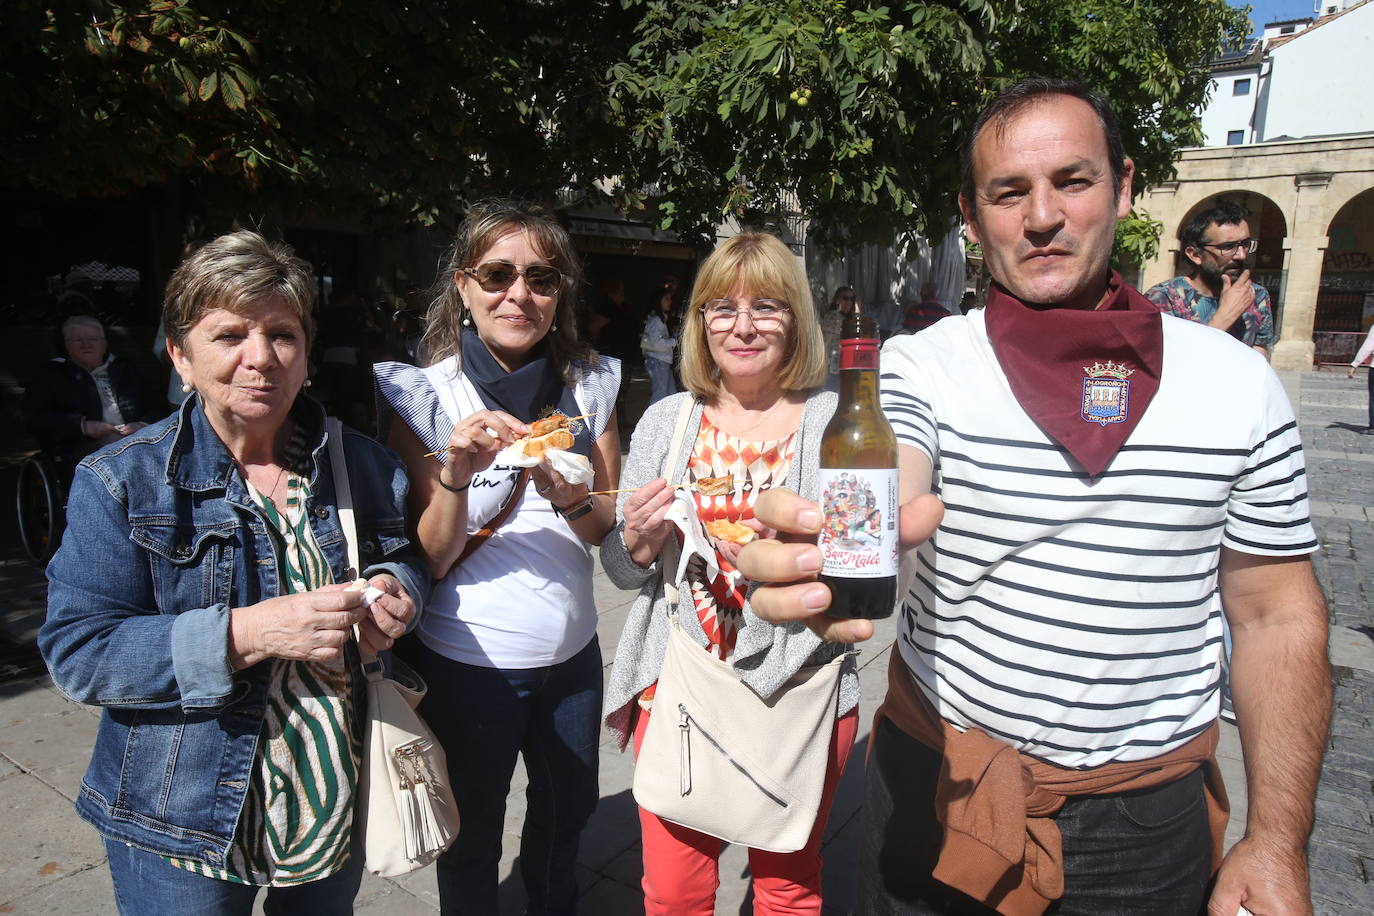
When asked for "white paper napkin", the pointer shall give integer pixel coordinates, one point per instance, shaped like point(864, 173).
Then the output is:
point(683, 514)
point(575, 468)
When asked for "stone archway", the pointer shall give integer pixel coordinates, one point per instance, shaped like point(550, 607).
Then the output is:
point(1345, 294)
point(1308, 180)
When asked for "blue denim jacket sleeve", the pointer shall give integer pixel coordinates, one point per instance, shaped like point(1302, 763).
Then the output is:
point(105, 642)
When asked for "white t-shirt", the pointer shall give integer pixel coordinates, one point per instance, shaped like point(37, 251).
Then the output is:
point(1073, 617)
point(524, 598)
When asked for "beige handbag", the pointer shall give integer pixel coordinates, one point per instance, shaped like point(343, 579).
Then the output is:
point(720, 760)
point(405, 808)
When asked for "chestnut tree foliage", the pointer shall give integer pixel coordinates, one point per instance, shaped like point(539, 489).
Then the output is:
point(853, 112)
point(396, 110)
point(680, 111)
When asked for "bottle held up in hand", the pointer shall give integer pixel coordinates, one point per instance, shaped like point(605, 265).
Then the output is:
point(858, 484)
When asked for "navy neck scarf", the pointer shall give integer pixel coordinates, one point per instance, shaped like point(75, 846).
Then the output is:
point(528, 393)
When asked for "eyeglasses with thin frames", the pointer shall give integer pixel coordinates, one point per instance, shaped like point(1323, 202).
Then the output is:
point(764, 314)
point(1231, 247)
point(499, 276)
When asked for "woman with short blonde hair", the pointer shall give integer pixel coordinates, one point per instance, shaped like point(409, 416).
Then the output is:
point(753, 418)
point(756, 260)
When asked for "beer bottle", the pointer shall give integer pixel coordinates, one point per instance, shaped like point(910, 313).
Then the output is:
point(858, 485)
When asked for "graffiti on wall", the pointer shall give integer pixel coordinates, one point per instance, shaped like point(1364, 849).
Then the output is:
point(1344, 261)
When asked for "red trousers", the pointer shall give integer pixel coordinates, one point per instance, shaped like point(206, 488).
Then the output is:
point(682, 866)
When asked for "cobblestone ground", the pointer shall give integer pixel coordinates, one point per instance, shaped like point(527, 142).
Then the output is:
point(1341, 473)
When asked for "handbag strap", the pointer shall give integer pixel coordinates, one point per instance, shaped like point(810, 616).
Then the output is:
point(480, 536)
point(343, 493)
point(668, 556)
point(343, 499)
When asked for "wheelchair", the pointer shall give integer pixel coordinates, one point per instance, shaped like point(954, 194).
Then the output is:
point(40, 502)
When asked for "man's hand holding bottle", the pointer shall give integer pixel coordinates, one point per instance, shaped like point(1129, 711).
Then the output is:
point(787, 568)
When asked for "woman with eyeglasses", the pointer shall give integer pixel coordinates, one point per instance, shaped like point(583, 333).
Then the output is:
point(507, 640)
point(753, 362)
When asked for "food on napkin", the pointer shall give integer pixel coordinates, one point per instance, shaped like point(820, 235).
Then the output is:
point(734, 532)
point(548, 438)
point(550, 432)
point(715, 486)
point(370, 592)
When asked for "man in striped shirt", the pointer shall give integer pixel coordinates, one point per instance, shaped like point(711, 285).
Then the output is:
point(1073, 502)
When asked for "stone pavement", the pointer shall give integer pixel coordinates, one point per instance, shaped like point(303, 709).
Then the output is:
point(53, 863)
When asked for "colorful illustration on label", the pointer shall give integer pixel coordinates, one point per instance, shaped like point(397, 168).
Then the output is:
point(859, 534)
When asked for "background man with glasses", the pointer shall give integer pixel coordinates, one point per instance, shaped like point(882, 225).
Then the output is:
point(1219, 292)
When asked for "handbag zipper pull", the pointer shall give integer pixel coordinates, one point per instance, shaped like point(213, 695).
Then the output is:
point(684, 763)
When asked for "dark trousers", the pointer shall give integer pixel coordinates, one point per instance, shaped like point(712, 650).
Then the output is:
point(1139, 853)
point(1369, 380)
point(484, 718)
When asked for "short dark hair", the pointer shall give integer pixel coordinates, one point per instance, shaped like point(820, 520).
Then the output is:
point(1011, 102)
point(1224, 213)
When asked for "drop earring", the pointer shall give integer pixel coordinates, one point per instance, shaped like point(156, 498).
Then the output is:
point(467, 319)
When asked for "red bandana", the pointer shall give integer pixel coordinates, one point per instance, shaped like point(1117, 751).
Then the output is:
point(1085, 377)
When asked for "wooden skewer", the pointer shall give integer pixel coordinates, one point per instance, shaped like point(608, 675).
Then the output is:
point(676, 486)
point(449, 448)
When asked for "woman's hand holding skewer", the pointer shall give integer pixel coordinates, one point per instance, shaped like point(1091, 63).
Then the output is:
point(646, 525)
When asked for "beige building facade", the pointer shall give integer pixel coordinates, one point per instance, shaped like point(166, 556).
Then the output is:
point(1312, 210)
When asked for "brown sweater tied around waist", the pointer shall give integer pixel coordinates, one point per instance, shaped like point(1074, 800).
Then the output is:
point(995, 805)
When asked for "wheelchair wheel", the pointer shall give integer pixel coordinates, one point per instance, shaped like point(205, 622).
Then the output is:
point(39, 505)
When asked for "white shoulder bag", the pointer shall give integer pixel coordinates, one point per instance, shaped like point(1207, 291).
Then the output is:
point(716, 757)
point(405, 807)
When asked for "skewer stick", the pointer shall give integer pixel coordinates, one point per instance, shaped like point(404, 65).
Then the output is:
point(584, 416)
point(676, 486)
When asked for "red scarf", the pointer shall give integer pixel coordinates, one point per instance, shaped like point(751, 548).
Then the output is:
point(1085, 377)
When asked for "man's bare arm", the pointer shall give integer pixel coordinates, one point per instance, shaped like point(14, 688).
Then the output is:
point(1281, 688)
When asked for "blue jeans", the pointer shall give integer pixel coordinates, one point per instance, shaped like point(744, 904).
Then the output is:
point(661, 383)
point(1146, 853)
point(484, 717)
point(146, 885)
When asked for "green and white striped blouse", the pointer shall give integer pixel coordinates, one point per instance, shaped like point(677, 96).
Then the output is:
point(297, 818)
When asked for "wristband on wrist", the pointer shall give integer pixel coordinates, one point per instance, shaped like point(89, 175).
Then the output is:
point(575, 511)
point(455, 489)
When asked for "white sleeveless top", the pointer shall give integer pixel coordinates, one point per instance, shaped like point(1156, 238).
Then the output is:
point(524, 598)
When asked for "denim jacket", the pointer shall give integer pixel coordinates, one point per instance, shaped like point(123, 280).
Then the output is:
point(163, 540)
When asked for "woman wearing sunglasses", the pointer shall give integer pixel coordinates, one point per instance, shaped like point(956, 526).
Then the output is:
point(753, 361)
point(507, 640)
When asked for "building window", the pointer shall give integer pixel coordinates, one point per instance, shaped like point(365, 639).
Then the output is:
point(1288, 30)
point(1235, 137)
point(1240, 87)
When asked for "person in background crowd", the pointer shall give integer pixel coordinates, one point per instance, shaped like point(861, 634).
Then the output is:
point(753, 361)
point(1219, 292)
point(205, 607)
point(507, 640)
point(921, 315)
point(658, 342)
point(843, 303)
point(76, 403)
point(1362, 358)
point(1049, 734)
point(969, 302)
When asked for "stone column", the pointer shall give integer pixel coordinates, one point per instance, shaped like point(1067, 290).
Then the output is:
point(1305, 248)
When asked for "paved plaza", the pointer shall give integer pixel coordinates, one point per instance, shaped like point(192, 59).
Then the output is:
point(52, 863)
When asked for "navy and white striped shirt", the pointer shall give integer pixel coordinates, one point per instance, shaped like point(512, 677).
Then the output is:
point(1074, 617)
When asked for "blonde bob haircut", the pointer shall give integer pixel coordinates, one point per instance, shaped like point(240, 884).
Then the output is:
point(232, 272)
point(764, 268)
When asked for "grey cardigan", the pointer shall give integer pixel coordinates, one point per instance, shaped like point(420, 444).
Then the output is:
point(766, 654)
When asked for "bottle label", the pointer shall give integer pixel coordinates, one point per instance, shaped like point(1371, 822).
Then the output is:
point(859, 353)
point(859, 534)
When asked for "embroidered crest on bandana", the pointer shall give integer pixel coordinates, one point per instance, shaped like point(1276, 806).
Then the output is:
point(1106, 393)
